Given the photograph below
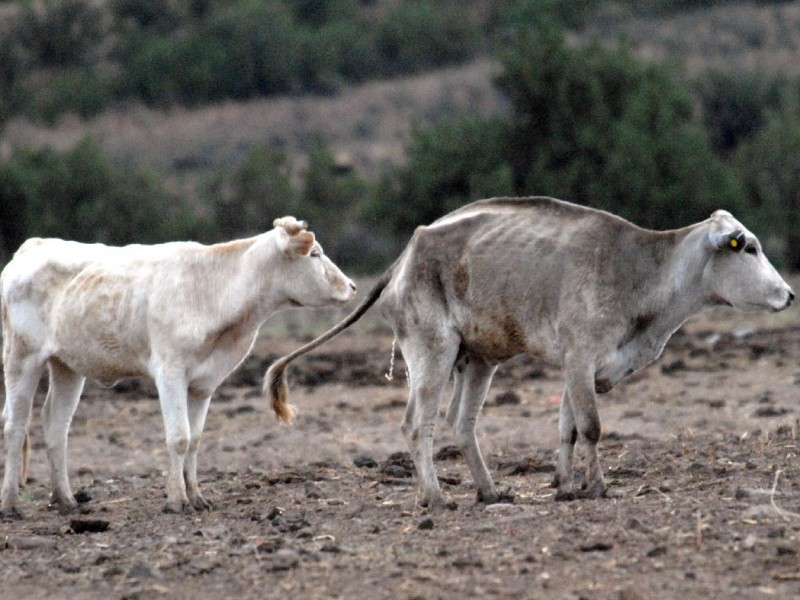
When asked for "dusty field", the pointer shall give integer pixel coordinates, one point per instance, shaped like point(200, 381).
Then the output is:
point(700, 452)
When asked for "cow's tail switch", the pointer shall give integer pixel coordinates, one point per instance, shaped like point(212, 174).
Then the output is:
point(275, 378)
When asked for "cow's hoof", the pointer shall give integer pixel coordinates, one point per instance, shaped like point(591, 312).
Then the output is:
point(178, 508)
point(488, 497)
point(566, 496)
point(13, 513)
point(496, 498)
point(434, 502)
point(595, 491)
point(200, 504)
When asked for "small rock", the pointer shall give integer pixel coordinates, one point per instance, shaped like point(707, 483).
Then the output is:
point(143, 570)
point(365, 462)
point(82, 496)
point(499, 507)
point(596, 546)
point(313, 490)
point(509, 398)
point(449, 452)
point(283, 559)
point(33, 542)
point(89, 525)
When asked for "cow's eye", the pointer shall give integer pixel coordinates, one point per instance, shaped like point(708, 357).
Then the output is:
point(751, 250)
point(315, 254)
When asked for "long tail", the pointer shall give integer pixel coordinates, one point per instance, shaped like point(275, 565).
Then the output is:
point(275, 378)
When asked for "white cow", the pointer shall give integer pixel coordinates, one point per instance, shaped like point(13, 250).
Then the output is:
point(181, 313)
point(574, 286)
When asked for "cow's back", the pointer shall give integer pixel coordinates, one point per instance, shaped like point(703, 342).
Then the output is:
point(56, 296)
point(508, 272)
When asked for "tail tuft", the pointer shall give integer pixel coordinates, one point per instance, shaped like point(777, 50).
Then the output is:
point(278, 391)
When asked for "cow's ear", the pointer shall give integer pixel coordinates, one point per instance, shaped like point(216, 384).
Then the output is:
point(735, 240)
point(299, 244)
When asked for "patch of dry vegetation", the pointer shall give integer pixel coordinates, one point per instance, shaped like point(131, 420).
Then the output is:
point(740, 37)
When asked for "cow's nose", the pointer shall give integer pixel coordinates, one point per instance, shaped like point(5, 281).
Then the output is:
point(354, 288)
point(791, 298)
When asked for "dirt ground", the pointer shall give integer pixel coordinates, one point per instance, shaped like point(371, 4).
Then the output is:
point(699, 451)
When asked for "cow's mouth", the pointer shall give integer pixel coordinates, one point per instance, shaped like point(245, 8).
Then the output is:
point(718, 300)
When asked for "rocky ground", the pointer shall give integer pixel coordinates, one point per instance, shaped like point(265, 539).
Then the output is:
point(699, 450)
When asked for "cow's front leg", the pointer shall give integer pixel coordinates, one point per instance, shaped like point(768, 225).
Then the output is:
point(172, 395)
point(564, 478)
point(583, 405)
point(198, 409)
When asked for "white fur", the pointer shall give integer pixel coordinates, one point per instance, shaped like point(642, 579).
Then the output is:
point(181, 313)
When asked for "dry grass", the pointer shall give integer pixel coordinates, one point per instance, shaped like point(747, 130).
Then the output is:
point(370, 123)
point(740, 37)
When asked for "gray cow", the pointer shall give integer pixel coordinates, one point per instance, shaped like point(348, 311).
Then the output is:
point(570, 285)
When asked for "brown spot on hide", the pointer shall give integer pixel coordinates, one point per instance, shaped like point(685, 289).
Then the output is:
point(461, 281)
point(601, 386)
point(228, 335)
point(500, 337)
point(592, 431)
point(302, 243)
point(231, 247)
point(638, 325)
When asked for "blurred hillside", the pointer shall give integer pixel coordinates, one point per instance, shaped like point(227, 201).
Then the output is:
point(370, 116)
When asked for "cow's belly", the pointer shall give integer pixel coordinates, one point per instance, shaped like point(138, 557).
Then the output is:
point(102, 337)
point(498, 338)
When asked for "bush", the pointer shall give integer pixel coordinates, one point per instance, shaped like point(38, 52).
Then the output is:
point(598, 127)
point(421, 35)
point(10, 75)
point(79, 195)
point(82, 91)
point(59, 33)
point(769, 167)
point(735, 106)
point(448, 165)
point(245, 200)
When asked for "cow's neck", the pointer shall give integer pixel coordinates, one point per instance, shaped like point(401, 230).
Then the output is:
point(681, 291)
point(239, 284)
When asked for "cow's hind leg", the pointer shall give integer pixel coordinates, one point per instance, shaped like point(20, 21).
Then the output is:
point(57, 412)
point(198, 409)
point(429, 366)
point(22, 374)
point(475, 379)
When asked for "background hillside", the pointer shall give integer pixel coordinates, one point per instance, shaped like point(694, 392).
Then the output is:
point(136, 120)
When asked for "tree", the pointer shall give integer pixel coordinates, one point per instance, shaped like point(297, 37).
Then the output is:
point(769, 167)
point(246, 200)
point(448, 165)
point(597, 126)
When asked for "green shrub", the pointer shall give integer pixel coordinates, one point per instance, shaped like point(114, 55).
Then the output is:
point(59, 33)
point(448, 165)
point(79, 195)
point(10, 75)
point(246, 199)
point(82, 91)
point(599, 127)
point(735, 106)
point(769, 167)
point(420, 35)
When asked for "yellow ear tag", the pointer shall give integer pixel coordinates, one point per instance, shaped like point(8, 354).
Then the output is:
point(734, 243)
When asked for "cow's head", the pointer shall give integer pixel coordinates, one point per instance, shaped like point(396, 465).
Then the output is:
point(311, 278)
point(738, 273)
